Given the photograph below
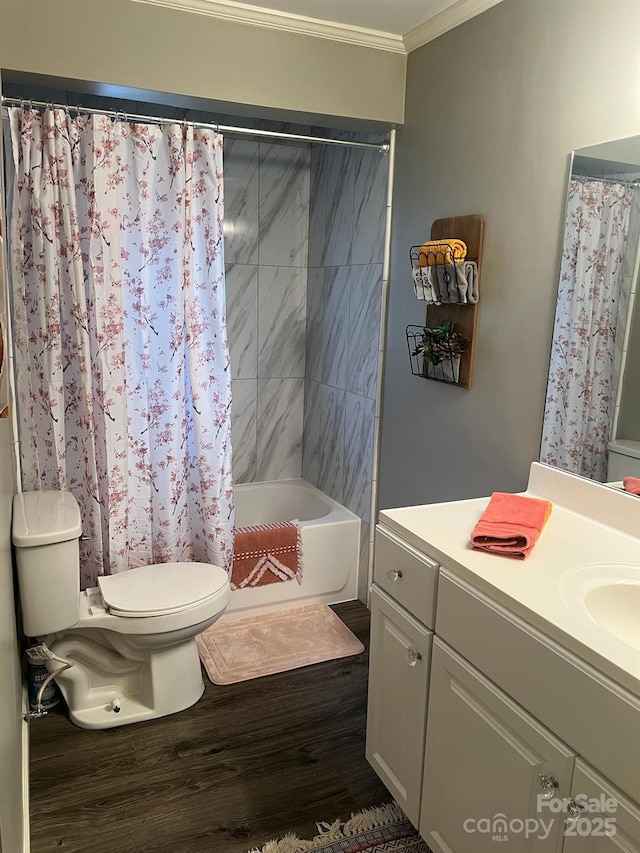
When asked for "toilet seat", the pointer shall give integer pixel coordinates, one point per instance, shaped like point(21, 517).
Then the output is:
point(161, 589)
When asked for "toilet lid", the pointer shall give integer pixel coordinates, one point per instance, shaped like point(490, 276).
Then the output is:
point(160, 589)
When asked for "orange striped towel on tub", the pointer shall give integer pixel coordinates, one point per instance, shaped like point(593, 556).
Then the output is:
point(266, 553)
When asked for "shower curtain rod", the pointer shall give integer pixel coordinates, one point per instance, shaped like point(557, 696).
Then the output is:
point(635, 182)
point(382, 147)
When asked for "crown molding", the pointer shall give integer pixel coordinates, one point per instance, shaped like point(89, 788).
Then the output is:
point(446, 20)
point(255, 16)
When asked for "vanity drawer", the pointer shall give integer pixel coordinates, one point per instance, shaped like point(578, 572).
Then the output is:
point(408, 576)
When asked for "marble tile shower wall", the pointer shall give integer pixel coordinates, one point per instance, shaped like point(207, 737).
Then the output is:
point(344, 298)
point(266, 255)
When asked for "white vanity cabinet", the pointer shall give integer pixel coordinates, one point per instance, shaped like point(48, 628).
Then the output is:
point(488, 731)
point(487, 761)
point(402, 616)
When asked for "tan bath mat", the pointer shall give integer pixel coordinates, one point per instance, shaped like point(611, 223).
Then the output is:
point(274, 642)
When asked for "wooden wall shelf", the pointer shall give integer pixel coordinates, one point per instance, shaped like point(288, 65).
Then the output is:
point(470, 229)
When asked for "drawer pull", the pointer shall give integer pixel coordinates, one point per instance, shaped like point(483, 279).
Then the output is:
point(549, 785)
point(413, 657)
point(394, 575)
point(575, 809)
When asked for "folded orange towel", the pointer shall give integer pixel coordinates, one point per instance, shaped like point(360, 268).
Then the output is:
point(632, 484)
point(510, 525)
point(435, 252)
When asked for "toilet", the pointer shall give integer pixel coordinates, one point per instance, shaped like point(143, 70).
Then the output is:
point(624, 459)
point(131, 639)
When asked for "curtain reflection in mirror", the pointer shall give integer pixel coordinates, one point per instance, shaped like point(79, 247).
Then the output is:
point(581, 388)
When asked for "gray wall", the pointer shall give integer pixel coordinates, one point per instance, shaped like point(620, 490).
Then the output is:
point(149, 47)
point(517, 89)
point(344, 294)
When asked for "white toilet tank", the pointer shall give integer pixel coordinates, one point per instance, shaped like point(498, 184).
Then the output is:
point(46, 528)
point(624, 459)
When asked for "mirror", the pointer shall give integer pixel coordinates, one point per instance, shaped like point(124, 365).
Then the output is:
point(592, 409)
point(4, 372)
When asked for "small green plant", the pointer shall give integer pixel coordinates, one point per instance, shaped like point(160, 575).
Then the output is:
point(441, 342)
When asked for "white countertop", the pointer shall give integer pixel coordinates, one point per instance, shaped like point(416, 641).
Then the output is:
point(589, 524)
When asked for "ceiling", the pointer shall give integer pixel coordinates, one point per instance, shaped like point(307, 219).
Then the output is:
point(394, 25)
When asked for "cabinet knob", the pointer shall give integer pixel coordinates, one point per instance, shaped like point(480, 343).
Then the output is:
point(413, 657)
point(549, 785)
point(394, 575)
point(575, 809)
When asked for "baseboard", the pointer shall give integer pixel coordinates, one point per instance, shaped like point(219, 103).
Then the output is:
point(26, 840)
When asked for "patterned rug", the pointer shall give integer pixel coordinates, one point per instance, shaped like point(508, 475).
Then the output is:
point(383, 829)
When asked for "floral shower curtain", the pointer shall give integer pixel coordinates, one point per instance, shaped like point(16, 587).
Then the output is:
point(122, 359)
point(580, 390)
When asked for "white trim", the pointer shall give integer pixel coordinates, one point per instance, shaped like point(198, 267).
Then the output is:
point(446, 20)
point(256, 16)
point(242, 13)
point(26, 832)
point(384, 310)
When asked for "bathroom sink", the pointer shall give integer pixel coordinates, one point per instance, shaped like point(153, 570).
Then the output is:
point(610, 595)
point(616, 608)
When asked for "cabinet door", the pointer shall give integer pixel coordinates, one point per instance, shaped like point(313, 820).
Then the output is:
point(486, 763)
point(603, 810)
point(398, 681)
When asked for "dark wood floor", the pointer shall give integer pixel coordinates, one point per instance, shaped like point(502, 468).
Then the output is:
point(247, 763)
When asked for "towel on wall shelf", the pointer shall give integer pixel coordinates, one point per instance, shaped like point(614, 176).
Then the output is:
point(470, 273)
point(510, 525)
point(435, 252)
point(447, 283)
point(424, 284)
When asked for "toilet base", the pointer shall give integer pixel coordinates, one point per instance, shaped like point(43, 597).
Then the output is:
point(132, 711)
point(106, 687)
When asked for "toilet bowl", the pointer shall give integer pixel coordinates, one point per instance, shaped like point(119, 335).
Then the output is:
point(131, 639)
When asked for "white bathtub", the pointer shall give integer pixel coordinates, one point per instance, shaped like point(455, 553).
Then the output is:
point(330, 543)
